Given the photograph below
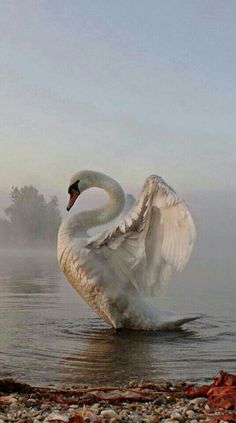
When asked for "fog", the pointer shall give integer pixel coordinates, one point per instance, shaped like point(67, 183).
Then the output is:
point(212, 267)
point(213, 260)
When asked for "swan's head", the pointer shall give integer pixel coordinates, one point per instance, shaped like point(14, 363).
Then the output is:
point(79, 182)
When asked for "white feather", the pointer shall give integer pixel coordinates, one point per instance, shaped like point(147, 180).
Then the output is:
point(164, 231)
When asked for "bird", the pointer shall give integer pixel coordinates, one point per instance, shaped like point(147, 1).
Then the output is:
point(121, 271)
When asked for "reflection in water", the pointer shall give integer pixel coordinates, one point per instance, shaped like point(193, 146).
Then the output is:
point(43, 320)
point(106, 355)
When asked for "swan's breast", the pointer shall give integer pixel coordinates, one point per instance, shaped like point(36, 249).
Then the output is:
point(90, 279)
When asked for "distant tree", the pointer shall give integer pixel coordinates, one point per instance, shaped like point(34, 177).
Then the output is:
point(53, 218)
point(4, 232)
point(31, 217)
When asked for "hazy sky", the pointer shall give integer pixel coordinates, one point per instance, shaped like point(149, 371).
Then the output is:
point(127, 87)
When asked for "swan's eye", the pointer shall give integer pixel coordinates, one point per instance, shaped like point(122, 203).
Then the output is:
point(73, 187)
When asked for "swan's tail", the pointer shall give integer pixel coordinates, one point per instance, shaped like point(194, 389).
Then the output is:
point(174, 320)
point(144, 314)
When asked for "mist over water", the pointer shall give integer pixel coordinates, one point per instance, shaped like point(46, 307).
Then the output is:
point(49, 335)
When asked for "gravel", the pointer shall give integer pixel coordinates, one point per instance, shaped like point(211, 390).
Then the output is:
point(139, 403)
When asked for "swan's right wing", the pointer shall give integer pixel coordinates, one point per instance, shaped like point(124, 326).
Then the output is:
point(155, 236)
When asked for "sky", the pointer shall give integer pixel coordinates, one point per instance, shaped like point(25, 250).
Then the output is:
point(125, 87)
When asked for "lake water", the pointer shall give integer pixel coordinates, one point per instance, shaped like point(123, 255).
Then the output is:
point(48, 335)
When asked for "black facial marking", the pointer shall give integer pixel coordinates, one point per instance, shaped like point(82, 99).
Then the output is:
point(73, 187)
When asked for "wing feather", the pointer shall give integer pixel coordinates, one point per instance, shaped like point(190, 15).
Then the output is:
point(156, 235)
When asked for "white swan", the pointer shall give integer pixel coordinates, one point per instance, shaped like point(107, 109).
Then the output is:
point(119, 272)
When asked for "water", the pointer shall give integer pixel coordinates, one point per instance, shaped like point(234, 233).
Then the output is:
point(48, 335)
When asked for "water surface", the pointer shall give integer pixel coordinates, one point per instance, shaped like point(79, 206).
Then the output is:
point(48, 335)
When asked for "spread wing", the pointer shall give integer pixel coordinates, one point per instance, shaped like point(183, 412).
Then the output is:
point(156, 235)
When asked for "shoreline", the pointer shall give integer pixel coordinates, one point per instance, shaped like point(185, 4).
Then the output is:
point(167, 402)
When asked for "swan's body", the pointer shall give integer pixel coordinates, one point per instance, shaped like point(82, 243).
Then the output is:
point(119, 272)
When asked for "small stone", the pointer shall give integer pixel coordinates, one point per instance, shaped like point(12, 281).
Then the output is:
point(193, 421)
point(109, 413)
point(207, 408)
point(190, 414)
point(176, 416)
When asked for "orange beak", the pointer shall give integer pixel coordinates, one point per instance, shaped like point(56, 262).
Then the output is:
point(73, 197)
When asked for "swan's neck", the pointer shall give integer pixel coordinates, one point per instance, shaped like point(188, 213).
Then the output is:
point(83, 221)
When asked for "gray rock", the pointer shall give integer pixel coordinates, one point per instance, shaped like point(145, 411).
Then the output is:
point(160, 400)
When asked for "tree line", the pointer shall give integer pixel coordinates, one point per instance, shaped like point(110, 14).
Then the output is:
point(29, 218)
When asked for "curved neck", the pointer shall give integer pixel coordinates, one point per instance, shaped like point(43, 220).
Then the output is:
point(88, 219)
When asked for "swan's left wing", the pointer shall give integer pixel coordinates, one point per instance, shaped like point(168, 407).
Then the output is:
point(155, 236)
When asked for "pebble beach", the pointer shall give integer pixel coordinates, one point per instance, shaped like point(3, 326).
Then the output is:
point(136, 402)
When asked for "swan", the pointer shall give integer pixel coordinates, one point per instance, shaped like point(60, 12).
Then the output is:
point(120, 271)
